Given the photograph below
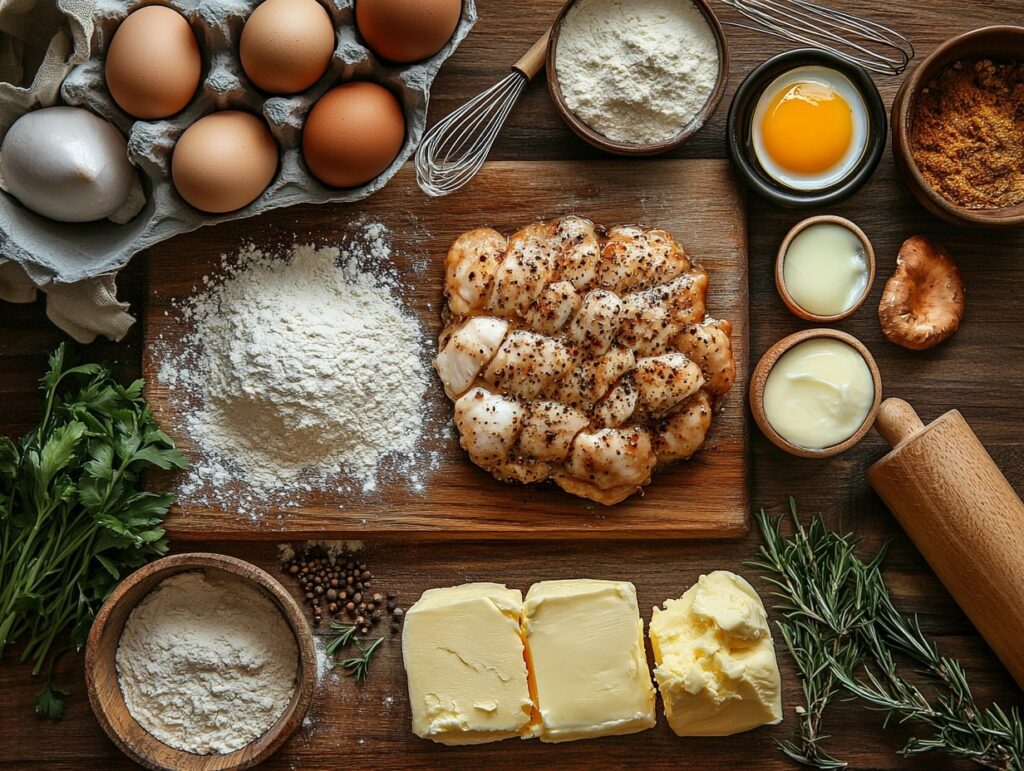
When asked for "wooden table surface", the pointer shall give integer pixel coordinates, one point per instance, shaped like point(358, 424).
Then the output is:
point(980, 371)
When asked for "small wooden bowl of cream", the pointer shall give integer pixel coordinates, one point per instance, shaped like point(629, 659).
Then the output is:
point(824, 269)
point(227, 625)
point(816, 393)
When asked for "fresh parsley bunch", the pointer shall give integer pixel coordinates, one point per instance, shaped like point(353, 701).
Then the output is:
point(73, 517)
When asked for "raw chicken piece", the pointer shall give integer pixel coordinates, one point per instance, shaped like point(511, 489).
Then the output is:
point(622, 259)
point(682, 433)
point(525, 271)
point(553, 309)
point(548, 431)
point(467, 350)
point(647, 328)
point(488, 425)
point(593, 378)
point(579, 252)
point(667, 258)
point(470, 266)
point(527, 363)
point(708, 345)
point(608, 465)
point(618, 406)
point(597, 322)
point(665, 382)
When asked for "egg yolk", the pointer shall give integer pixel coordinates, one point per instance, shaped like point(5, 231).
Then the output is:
point(807, 128)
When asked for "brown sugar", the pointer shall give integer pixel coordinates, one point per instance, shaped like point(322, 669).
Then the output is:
point(967, 134)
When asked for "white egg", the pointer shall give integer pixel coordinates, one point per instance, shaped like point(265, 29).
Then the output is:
point(839, 84)
point(67, 164)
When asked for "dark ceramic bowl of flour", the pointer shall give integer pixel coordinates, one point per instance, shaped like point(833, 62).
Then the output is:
point(686, 129)
point(108, 700)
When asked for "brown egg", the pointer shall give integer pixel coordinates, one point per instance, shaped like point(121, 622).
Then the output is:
point(153, 63)
point(353, 133)
point(407, 30)
point(224, 161)
point(286, 45)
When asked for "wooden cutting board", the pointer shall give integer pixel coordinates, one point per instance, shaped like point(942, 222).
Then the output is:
point(697, 200)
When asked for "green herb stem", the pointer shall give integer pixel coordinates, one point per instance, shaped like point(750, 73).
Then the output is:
point(73, 518)
point(844, 633)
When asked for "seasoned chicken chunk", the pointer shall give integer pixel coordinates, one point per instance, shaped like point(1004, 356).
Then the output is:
point(548, 431)
point(467, 350)
point(597, 322)
point(665, 382)
point(708, 345)
point(618, 406)
point(470, 266)
point(609, 464)
point(553, 308)
point(525, 271)
point(527, 363)
point(588, 383)
point(488, 424)
point(579, 252)
point(679, 435)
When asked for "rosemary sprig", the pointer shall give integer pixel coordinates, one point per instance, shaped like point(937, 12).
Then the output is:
point(842, 629)
point(345, 634)
point(359, 667)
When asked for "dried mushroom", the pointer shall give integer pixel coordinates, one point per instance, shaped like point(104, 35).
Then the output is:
point(923, 300)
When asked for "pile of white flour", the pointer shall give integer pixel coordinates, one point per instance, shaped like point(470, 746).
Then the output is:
point(637, 72)
point(303, 368)
point(206, 662)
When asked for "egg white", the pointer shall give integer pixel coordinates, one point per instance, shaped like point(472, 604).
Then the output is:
point(858, 141)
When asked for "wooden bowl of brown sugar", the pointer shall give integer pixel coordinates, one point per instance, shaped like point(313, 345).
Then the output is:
point(930, 145)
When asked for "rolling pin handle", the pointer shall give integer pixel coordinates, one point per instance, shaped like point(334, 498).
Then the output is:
point(897, 421)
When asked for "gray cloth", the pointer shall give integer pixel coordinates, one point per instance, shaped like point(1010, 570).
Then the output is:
point(40, 41)
point(84, 310)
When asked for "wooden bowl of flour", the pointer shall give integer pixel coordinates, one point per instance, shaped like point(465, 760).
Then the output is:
point(602, 142)
point(108, 702)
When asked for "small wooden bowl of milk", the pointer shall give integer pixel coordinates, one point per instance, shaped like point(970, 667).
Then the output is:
point(825, 268)
point(816, 393)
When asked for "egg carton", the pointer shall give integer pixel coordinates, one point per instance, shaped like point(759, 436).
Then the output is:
point(68, 252)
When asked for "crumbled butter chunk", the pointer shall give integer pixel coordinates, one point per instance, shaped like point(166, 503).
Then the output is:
point(588, 666)
point(715, 660)
point(464, 658)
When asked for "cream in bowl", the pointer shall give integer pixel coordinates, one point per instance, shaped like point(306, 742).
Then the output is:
point(815, 393)
point(636, 77)
point(825, 268)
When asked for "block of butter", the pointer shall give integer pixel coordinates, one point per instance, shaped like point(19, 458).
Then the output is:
point(588, 666)
point(714, 657)
point(464, 658)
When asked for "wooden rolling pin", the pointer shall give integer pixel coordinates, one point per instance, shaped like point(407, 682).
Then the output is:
point(963, 516)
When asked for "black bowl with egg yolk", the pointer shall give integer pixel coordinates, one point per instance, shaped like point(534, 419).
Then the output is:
point(739, 131)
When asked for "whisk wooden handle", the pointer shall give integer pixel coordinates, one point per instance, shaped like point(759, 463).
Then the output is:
point(532, 61)
point(964, 517)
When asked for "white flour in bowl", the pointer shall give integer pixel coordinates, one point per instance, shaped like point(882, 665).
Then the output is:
point(636, 72)
point(206, 662)
point(302, 369)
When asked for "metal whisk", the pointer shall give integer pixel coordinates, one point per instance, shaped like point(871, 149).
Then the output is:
point(873, 46)
point(453, 151)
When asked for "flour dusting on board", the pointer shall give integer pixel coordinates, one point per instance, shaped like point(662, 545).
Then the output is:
point(303, 370)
